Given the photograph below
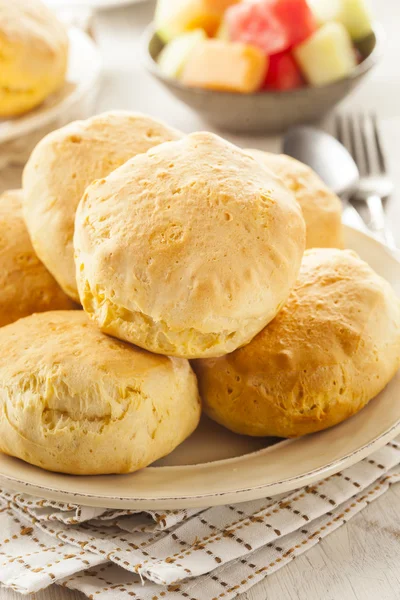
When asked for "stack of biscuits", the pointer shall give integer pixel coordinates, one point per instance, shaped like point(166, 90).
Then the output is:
point(149, 275)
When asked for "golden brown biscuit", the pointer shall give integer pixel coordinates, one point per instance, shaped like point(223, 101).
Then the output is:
point(63, 164)
point(26, 285)
point(188, 250)
point(333, 347)
point(322, 209)
point(33, 55)
point(76, 401)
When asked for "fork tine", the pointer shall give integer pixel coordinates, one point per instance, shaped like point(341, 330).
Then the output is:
point(367, 142)
point(342, 132)
point(379, 149)
point(356, 146)
point(339, 129)
point(372, 146)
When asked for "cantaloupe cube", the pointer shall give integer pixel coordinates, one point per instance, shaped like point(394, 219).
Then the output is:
point(228, 66)
point(353, 14)
point(173, 17)
point(326, 56)
point(174, 55)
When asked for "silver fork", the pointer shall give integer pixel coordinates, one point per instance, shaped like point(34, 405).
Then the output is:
point(360, 135)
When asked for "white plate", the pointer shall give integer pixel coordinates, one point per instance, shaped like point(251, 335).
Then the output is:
point(217, 467)
point(84, 68)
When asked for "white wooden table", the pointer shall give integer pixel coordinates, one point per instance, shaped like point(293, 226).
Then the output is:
point(360, 561)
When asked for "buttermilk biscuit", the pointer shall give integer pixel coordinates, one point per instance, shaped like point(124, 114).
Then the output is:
point(63, 164)
point(188, 250)
point(322, 209)
point(26, 285)
point(333, 347)
point(33, 55)
point(76, 401)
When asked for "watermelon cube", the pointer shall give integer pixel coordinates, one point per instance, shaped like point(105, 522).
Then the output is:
point(174, 55)
point(326, 56)
point(225, 66)
point(174, 17)
point(271, 25)
point(255, 23)
point(297, 18)
point(283, 73)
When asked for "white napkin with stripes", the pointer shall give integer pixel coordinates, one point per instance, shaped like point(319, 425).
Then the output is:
point(213, 553)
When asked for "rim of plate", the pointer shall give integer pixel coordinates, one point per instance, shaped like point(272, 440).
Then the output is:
point(196, 500)
point(31, 121)
point(239, 494)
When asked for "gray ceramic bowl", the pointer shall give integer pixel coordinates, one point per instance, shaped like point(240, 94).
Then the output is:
point(264, 112)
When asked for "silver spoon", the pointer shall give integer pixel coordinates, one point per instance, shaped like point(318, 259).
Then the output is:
point(328, 157)
point(330, 160)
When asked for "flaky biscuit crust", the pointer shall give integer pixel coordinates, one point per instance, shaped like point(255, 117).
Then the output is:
point(63, 164)
point(333, 347)
point(188, 250)
point(322, 208)
point(25, 283)
point(33, 55)
point(76, 401)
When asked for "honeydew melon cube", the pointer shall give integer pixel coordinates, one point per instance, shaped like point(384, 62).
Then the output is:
point(173, 17)
point(356, 17)
point(325, 10)
point(223, 32)
point(326, 56)
point(353, 14)
point(174, 55)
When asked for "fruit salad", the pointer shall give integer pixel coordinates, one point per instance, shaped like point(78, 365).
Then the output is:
point(259, 45)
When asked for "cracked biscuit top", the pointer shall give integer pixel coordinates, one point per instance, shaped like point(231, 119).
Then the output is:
point(321, 207)
point(25, 283)
point(77, 401)
point(189, 249)
point(64, 163)
point(333, 347)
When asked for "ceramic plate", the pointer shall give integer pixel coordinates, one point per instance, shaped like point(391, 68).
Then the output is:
point(217, 467)
point(84, 70)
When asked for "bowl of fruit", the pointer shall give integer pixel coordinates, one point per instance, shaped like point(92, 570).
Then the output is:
point(261, 65)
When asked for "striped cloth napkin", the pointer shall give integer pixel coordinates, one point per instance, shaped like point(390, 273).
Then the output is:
point(213, 553)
